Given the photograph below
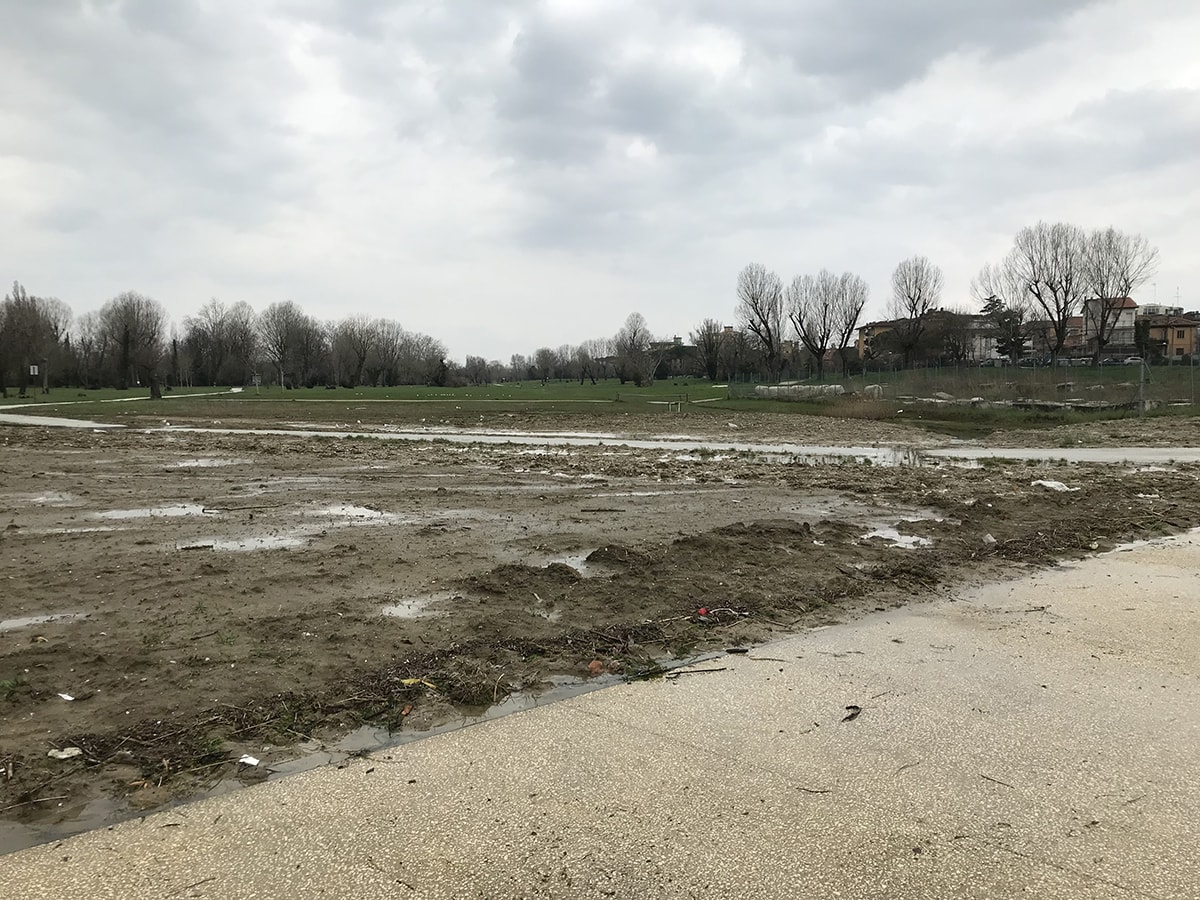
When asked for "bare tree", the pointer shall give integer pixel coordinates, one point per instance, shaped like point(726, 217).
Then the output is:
point(354, 340)
point(916, 291)
point(810, 301)
point(135, 325)
point(1116, 265)
point(241, 338)
point(738, 356)
point(389, 346)
point(637, 355)
point(760, 311)
point(566, 365)
point(586, 360)
point(205, 334)
point(422, 360)
point(707, 340)
point(476, 370)
point(91, 349)
point(518, 366)
point(598, 353)
point(1048, 261)
point(4, 341)
point(56, 321)
point(543, 361)
point(851, 299)
point(313, 351)
point(279, 328)
point(950, 335)
point(602, 352)
point(1006, 303)
point(31, 333)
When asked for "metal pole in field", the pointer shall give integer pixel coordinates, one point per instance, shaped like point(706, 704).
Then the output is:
point(1142, 389)
point(1192, 356)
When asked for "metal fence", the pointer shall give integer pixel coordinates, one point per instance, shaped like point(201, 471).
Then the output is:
point(1079, 387)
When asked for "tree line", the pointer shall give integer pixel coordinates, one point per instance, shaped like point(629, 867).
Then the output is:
point(1051, 272)
point(130, 341)
point(1043, 282)
point(1054, 275)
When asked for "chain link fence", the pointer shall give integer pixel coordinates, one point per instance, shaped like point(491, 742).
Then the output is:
point(1083, 388)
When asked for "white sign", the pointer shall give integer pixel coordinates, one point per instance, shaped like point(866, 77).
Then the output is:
point(33, 370)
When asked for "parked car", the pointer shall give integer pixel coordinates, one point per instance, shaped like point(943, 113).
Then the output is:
point(1133, 361)
point(1111, 361)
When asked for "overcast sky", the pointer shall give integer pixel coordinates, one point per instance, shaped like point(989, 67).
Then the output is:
point(507, 175)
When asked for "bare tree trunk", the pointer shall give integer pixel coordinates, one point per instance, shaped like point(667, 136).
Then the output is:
point(123, 361)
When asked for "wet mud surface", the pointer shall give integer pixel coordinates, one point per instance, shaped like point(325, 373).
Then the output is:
point(173, 602)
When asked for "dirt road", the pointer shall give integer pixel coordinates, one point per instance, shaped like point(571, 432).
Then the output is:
point(171, 602)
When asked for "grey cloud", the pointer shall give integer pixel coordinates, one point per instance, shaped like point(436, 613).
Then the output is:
point(1124, 133)
point(68, 218)
point(182, 100)
point(860, 49)
point(565, 98)
point(1146, 128)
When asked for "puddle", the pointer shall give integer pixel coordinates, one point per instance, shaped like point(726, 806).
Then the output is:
point(367, 739)
point(209, 462)
point(1129, 455)
point(792, 453)
point(95, 814)
point(81, 529)
point(796, 453)
point(348, 511)
point(46, 619)
point(415, 607)
point(577, 561)
point(49, 498)
point(371, 738)
point(270, 542)
point(287, 482)
point(51, 421)
point(905, 541)
point(244, 545)
point(172, 511)
point(670, 493)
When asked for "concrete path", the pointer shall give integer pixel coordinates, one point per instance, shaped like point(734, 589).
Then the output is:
point(1039, 738)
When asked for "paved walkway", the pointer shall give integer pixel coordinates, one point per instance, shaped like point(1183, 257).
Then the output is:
point(1037, 739)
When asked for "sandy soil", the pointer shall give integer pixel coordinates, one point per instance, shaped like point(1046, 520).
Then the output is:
point(199, 597)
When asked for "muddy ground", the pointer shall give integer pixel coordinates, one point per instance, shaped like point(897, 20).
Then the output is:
point(199, 596)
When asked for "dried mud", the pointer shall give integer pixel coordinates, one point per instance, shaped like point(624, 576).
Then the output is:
point(200, 597)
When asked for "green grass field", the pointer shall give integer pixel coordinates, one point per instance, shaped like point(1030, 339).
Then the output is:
point(1170, 388)
point(610, 391)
